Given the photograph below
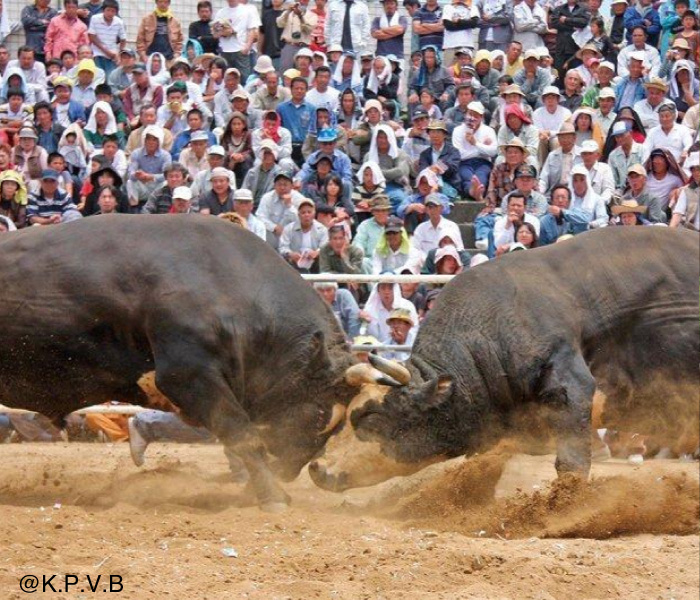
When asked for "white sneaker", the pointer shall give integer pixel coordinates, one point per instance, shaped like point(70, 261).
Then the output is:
point(137, 444)
point(481, 244)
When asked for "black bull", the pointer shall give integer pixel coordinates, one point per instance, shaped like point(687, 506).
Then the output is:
point(615, 309)
point(238, 341)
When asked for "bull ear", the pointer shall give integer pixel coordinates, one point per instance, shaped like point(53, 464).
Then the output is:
point(320, 359)
point(437, 390)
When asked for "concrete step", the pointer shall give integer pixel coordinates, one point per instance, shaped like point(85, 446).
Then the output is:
point(465, 212)
point(468, 234)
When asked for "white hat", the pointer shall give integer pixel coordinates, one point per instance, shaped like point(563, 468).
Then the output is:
point(693, 160)
point(199, 136)
point(220, 172)
point(304, 52)
point(448, 250)
point(335, 48)
point(243, 194)
point(182, 192)
point(268, 144)
point(590, 146)
point(216, 149)
point(607, 65)
point(154, 130)
point(620, 128)
point(372, 104)
point(477, 107)
point(606, 92)
point(532, 53)
point(542, 51)
point(639, 55)
point(551, 90)
point(263, 65)
point(579, 170)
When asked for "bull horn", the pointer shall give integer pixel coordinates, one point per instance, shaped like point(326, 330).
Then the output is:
point(336, 417)
point(391, 368)
point(364, 373)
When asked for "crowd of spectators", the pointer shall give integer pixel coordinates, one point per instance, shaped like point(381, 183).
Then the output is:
point(344, 140)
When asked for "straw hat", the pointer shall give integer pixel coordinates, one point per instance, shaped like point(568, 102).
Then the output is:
point(628, 206)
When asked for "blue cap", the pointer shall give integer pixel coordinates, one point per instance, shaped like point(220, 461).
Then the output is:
point(327, 134)
point(49, 174)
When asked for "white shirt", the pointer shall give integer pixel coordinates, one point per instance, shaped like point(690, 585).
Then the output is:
point(602, 180)
point(256, 226)
point(329, 99)
point(676, 141)
point(544, 120)
point(464, 37)
point(682, 207)
point(652, 60)
point(662, 188)
point(242, 21)
point(504, 232)
point(486, 146)
point(648, 114)
point(426, 237)
point(109, 34)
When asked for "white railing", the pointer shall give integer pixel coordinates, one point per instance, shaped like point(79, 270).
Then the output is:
point(386, 278)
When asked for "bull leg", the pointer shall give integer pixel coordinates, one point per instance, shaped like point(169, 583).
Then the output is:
point(568, 388)
point(203, 395)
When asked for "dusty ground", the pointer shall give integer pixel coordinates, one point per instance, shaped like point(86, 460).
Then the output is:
point(85, 509)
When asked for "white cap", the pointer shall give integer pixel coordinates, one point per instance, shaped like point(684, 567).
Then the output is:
point(243, 194)
point(551, 90)
point(606, 92)
point(182, 192)
point(693, 160)
point(335, 48)
point(639, 55)
point(477, 107)
point(542, 51)
point(579, 170)
point(304, 52)
point(216, 149)
point(607, 64)
point(372, 104)
point(590, 146)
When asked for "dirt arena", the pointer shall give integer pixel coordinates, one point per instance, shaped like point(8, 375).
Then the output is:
point(86, 509)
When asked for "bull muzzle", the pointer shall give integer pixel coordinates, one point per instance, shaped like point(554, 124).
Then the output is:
point(327, 481)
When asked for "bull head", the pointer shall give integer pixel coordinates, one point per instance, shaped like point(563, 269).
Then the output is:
point(361, 373)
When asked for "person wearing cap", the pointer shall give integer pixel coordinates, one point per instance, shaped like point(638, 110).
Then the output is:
point(278, 207)
point(637, 190)
point(29, 158)
point(603, 79)
point(506, 224)
point(13, 198)
point(388, 29)
point(532, 79)
point(161, 200)
point(393, 249)
point(428, 233)
point(243, 207)
point(107, 35)
point(477, 146)
point(557, 167)
point(201, 184)
point(529, 24)
point(417, 139)
point(685, 212)
point(566, 19)
point(50, 206)
point(344, 307)
point(626, 153)
point(669, 134)
point(487, 76)
point(322, 118)
point(348, 24)
point(302, 240)
point(65, 31)
point(220, 198)
point(548, 119)
point(370, 230)
point(366, 60)
point(442, 158)
point(194, 157)
point(159, 31)
point(525, 182)
point(645, 53)
point(327, 139)
point(223, 97)
point(680, 50)
point(181, 201)
point(142, 91)
point(66, 110)
point(600, 174)
point(648, 107)
point(83, 90)
point(604, 114)
point(501, 182)
point(629, 213)
point(297, 22)
point(195, 125)
point(402, 332)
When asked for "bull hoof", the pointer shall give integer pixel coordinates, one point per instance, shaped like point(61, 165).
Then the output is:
point(274, 507)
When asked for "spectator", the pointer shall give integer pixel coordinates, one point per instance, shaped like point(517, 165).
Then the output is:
point(107, 200)
point(194, 157)
point(648, 108)
point(402, 332)
point(548, 119)
point(83, 91)
point(107, 35)
point(101, 124)
point(502, 177)
point(566, 19)
point(433, 76)
point(342, 304)
point(442, 158)
point(427, 234)
point(627, 153)
point(372, 185)
point(477, 146)
point(302, 240)
point(161, 201)
point(525, 182)
point(393, 249)
point(182, 201)
point(260, 178)
point(583, 197)
point(664, 178)
point(644, 53)
point(669, 135)
point(600, 174)
point(385, 297)
point(496, 24)
point(201, 30)
point(603, 79)
point(685, 212)
point(29, 158)
point(50, 206)
point(105, 178)
point(370, 230)
point(559, 163)
point(604, 115)
point(429, 267)
point(532, 79)
point(530, 24)
point(459, 21)
point(278, 207)
point(561, 219)
point(35, 21)
point(297, 23)
point(243, 206)
point(201, 184)
point(505, 225)
point(236, 41)
point(347, 24)
point(159, 31)
point(220, 199)
point(514, 58)
point(685, 87)
point(140, 93)
point(65, 31)
point(629, 213)
point(389, 29)
point(296, 114)
point(518, 124)
point(643, 14)
point(393, 162)
point(13, 198)
point(271, 95)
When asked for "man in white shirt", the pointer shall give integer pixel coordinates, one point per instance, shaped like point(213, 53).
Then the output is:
point(477, 147)
point(460, 24)
point(530, 23)
point(505, 225)
point(243, 205)
point(648, 108)
point(600, 174)
point(245, 22)
point(604, 114)
point(669, 135)
point(428, 234)
point(107, 35)
point(652, 59)
point(548, 119)
point(322, 95)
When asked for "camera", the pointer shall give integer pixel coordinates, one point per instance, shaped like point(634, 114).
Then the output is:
point(296, 35)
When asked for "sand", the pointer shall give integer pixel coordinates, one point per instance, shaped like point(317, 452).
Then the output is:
point(448, 533)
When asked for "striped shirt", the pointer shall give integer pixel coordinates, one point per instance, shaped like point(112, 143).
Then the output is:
point(109, 34)
point(40, 206)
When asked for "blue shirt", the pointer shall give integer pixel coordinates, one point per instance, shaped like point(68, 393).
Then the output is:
point(183, 138)
point(425, 16)
point(296, 118)
point(341, 166)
